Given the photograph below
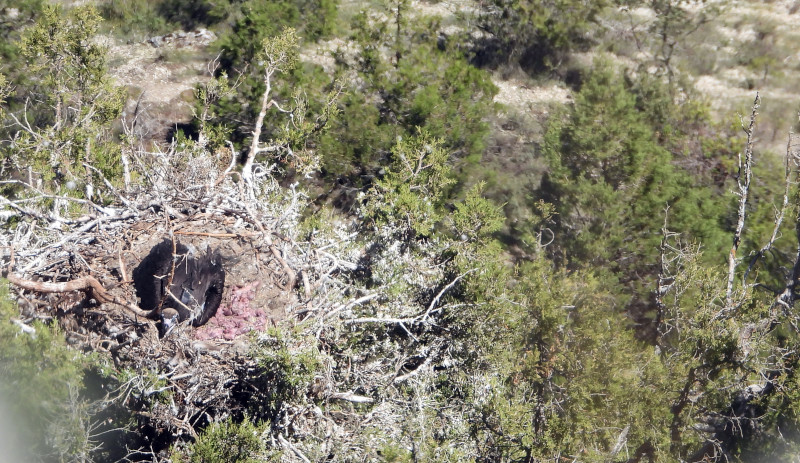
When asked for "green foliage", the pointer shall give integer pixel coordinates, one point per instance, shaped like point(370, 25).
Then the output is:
point(286, 366)
point(228, 442)
point(708, 151)
point(430, 88)
point(40, 381)
point(405, 211)
point(74, 84)
point(130, 17)
point(264, 42)
point(536, 33)
point(407, 198)
point(278, 54)
point(4, 91)
point(477, 255)
point(208, 95)
point(240, 53)
point(419, 83)
point(11, 27)
point(553, 343)
point(350, 146)
point(260, 20)
point(60, 47)
point(476, 217)
point(621, 155)
point(395, 454)
point(530, 362)
point(674, 23)
point(291, 142)
point(320, 17)
point(151, 17)
point(190, 14)
point(706, 361)
point(611, 180)
point(765, 199)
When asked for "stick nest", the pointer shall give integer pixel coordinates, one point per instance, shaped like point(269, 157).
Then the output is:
point(75, 269)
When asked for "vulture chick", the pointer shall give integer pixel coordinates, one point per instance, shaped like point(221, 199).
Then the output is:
point(196, 289)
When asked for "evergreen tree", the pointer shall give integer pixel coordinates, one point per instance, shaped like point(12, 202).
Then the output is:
point(611, 181)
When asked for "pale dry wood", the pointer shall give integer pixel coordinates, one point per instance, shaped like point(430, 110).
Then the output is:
point(789, 160)
point(294, 449)
point(743, 184)
point(216, 234)
point(351, 397)
point(87, 283)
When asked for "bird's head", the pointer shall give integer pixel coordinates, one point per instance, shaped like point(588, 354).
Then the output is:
point(169, 320)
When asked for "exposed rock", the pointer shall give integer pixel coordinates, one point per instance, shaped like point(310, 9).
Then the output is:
point(180, 39)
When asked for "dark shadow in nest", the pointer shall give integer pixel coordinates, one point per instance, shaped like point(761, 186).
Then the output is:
point(196, 289)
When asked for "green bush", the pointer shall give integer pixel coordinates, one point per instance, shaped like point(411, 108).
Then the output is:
point(13, 64)
point(258, 20)
point(131, 17)
point(74, 99)
point(41, 379)
point(239, 51)
point(419, 84)
point(285, 369)
point(190, 14)
point(407, 199)
point(611, 179)
point(227, 442)
point(536, 33)
point(152, 17)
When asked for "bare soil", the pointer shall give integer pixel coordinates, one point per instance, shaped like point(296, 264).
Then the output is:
point(161, 80)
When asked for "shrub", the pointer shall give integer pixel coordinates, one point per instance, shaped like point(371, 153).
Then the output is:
point(535, 33)
point(227, 442)
point(40, 381)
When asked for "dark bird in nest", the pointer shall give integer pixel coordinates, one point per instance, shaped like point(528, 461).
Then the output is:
point(179, 286)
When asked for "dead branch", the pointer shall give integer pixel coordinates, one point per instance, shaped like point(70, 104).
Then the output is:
point(444, 290)
point(788, 181)
point(42, 195)
point(294, 449)
point(23, 327)
point(170, 277)
point(292, 276)
point(663, 282)
point(87, 284)
point(108, 185)
point(122, 269)
point(216, 235)
point(421, 368)
point(783, 301)
point(230, 167)
point(351, 397)
point(358, 301)
point(266, 103)
point(743, 183)
point(388, 320)
point(622, 440)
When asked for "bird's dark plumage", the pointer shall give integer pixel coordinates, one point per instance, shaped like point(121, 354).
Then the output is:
point(197, 283)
